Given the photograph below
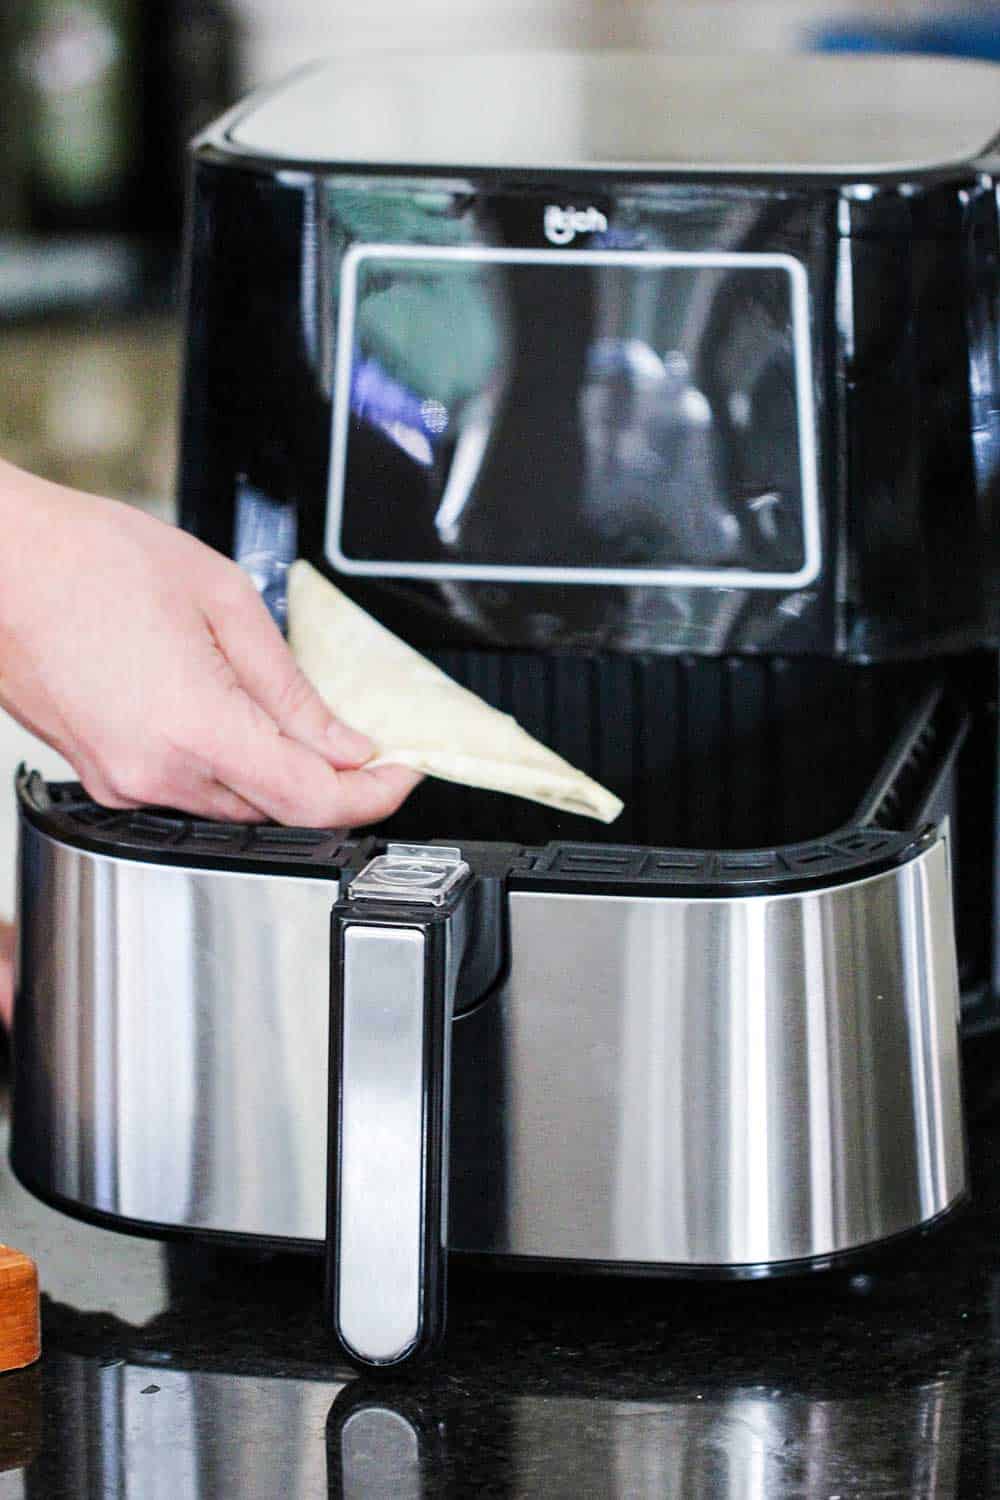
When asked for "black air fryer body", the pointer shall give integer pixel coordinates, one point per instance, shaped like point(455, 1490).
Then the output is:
point(668, 420)
point(728, 713)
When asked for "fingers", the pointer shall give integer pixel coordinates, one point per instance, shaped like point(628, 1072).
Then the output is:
point(226, 806)
point(288, 781)
point(265, 667)
point(222, 724)
point(232, 763)
point(218, 802)
point(201, 797)
point(369, 796)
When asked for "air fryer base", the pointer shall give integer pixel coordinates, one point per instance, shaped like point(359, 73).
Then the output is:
point(702, 1062)
point(661, 1124)
point(856, 1260)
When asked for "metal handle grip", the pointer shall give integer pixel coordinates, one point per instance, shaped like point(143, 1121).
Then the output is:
point(392, 995)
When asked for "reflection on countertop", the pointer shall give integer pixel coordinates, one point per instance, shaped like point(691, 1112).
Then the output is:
point(195, 1374)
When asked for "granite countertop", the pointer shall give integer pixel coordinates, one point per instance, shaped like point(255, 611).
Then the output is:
point(192, 1373)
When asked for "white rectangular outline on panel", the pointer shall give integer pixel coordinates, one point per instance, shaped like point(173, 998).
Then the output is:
point(691, 577)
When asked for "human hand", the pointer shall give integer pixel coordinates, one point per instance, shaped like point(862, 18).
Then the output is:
point(151, 664)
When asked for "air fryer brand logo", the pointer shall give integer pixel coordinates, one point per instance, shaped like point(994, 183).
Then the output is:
point(564, 224)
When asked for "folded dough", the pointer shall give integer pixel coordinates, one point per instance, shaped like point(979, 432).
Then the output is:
point(416, 715)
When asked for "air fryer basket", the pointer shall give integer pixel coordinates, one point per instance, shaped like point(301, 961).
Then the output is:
point(710, 756)
point(749, 756)
point(707, 753)
point(739, 775)
point(834, 787)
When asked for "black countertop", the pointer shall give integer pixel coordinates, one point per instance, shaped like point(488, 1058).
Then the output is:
point(185, 1373)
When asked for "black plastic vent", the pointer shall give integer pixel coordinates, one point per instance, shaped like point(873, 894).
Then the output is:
point(676, 871)
point(69, 813)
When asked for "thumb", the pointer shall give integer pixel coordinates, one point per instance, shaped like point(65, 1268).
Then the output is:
point(269, 674)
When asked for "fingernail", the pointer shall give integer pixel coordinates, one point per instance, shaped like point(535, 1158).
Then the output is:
point(348, 742)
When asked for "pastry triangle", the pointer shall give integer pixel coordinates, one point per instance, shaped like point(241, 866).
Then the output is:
point(416, 715)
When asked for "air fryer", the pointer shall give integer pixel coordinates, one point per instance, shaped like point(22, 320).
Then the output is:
point(666, 419)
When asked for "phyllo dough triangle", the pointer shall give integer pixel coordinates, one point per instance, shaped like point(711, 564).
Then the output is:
point(416, 715)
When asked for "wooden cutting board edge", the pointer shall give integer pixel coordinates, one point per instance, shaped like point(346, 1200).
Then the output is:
point(20, 1316)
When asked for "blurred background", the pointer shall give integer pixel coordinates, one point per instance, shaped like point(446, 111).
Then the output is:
point(101, 97)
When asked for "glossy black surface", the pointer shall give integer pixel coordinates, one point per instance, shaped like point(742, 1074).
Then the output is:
point(601, 449)
point(905, 380)
point(717, 712)
point(196, 1375)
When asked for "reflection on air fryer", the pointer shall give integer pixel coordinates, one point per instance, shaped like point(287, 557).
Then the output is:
point(530, 415)
point(146, 1432)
